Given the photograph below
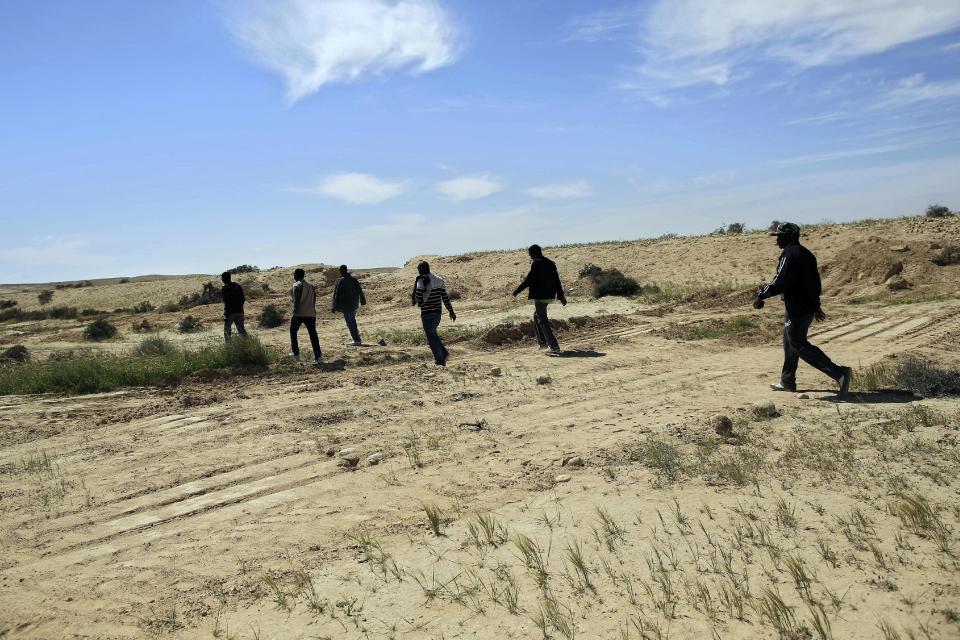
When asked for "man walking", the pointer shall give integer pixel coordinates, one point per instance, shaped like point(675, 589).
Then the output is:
point(304, 298)
point(429, 292)
point(543, 281)
point(347, 297)
point(798, 280)
point(233, 300)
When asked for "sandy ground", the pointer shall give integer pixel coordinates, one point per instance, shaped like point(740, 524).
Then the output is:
point(222, 509)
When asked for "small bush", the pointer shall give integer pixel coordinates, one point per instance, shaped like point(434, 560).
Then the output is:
point(91, 312)
point(100, 330)
point(937, 211)
point(948, 255)
point(736, 227)
point(271, 317)
point(7, 304)
point(45, 296)
point(62, 313)
point(244, 268)
point(613, 283)
point(16, 353)
point(124, 281)
point(143, 326)
point(143, 307)
point(74, 285)
point(189, 324)
point(927, 379)
point(155, 346)
point(590, 271)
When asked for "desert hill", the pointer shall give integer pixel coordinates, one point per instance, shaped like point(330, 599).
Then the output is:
point(647, 484)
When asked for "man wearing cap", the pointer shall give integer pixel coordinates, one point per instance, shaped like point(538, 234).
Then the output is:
point(798, 280)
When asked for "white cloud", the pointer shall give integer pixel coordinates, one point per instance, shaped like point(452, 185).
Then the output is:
point(358, 188)
point(714, 42)
point(312, 44)
point(560, 190)
point(915, 88)
point(469, 187)
point(606, 24)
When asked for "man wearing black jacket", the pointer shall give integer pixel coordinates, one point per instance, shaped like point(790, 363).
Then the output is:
point(233, 300)
point(347, 298)
point(543, 281)
point(798, 280)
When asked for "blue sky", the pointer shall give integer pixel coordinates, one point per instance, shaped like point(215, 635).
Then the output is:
point(189, 136)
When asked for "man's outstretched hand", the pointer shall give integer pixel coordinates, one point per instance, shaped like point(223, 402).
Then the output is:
point(758, 303)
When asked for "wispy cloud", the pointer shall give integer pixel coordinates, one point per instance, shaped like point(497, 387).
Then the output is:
point(358, 188)
point(561, 190)
point(312, 44)
point(715, 42)
point(470, 187)
point(716, 178)
point(606, 24)
point(915, 88)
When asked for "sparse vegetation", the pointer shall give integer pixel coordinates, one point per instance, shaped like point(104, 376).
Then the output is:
point(143, 307)
point(17, 353)
point(155, 346)
point(938, 211)
point(189, 324)
point(7, 304)
point(45, 296)
point(947, 255)
point(99, 330)
point(95, 372)
point(244, 268)
point(271, 317)
point(909, 374)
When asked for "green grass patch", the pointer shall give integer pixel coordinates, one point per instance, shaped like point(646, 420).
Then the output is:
point(97, 372)
point(735, 328)
point(415, 337)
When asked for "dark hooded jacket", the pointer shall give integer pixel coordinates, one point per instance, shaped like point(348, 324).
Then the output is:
point(233, 299)
point(347, 294)
point(543, 281)
point(797, 279)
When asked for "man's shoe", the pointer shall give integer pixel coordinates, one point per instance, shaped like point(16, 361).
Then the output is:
point(779, 386)
point(318, 360)
point(554, 352)
point(294, 356)
point(357, 343)
point(844, 380)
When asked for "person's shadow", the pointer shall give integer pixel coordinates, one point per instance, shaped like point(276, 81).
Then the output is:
point(883, 396)
point(580, 353)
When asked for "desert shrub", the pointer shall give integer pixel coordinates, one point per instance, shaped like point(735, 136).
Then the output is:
point(91, 312)
point(773, 225)
point(100, 329)
point(45, 296)
point(612, 282)
point(143, 307)
point(62, 313)
point(937, 211)
point(7, 304)
point(736, 227)
point(155, 346)
point(92, 372)
point(454, 294)
point(948, 255)
point(244, 268)
point(74, 285)
point(589, 271)
point(142, 326)
point(189, 324)
point(16, 353)
point(124, 281)
point(170, 307)
point(927, 379)
point(271, 317)
point(664, 458)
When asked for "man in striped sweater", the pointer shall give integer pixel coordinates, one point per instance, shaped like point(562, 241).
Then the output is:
point(429, 292)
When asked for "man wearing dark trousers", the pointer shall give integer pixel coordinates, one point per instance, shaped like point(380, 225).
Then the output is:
point(233, 300)
point(798, 280)
point(429, 292)
point(347, 297)
point(543, 282)
point(304, 298)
